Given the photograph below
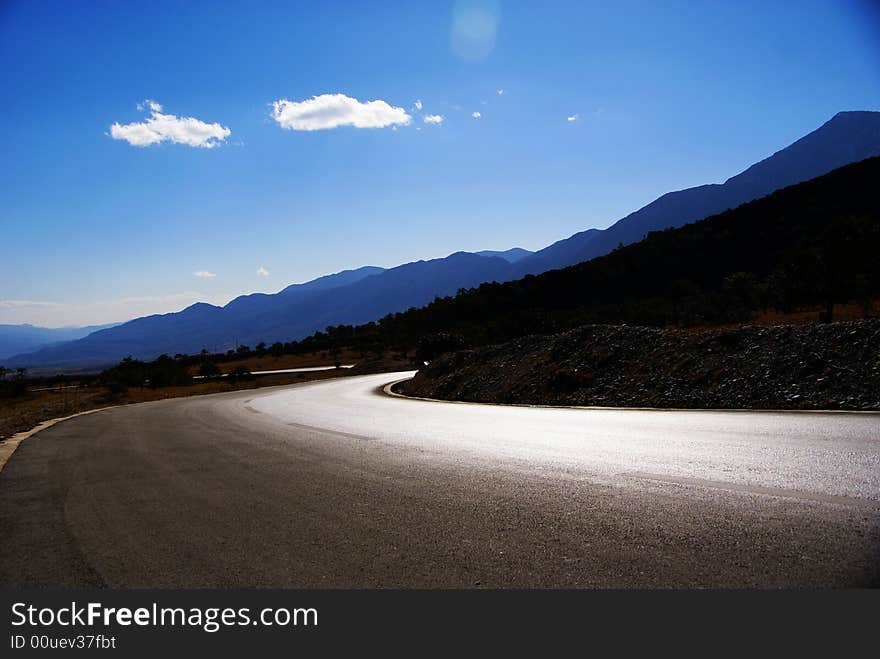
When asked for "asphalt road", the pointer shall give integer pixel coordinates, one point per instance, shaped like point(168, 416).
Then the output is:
point(333, 484)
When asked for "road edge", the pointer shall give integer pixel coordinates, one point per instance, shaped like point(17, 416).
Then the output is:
point(388, 390)
point(10, 444)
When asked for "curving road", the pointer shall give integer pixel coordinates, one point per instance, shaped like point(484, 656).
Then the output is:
point(334, 484)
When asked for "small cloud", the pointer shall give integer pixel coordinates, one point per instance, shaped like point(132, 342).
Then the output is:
point(417, 105)
point(433, 119)
point(333, 110)
point(573, 118)
point(169, 128)
point(262, 272)
point(501, 92)
point(152, 105)
point(204, 274)
point(476, 115)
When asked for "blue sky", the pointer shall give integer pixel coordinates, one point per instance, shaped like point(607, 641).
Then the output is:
point(663, 96)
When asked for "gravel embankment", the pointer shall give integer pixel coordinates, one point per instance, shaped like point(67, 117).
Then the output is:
point(830, 366)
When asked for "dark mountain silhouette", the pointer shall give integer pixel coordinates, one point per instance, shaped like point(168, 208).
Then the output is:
point(848, 137)
point(354, 296)
point(15, 339)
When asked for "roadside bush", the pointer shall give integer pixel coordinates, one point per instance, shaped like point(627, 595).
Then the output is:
point(13, 388)
point(164, 371)
point(116, 388)
point(12, 383)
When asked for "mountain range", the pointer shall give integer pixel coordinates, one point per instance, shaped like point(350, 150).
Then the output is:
point(16, 339)
point(368, 293)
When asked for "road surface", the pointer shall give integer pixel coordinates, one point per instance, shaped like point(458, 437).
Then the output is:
point(334, 484)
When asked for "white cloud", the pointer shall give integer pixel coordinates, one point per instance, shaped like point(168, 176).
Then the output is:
point(476, 115)
point(204, 274)
point(161, 127)
point(417, 105)
point(573, 118)
point(262, 272)
point(433, 119)
point(501, 92)
point(334, 110)
point(61, 314)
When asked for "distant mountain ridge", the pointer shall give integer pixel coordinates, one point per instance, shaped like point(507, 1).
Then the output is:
point(262, 302)
point(369, 293)
point(348, 297)
point(846, 138)
point(16, 339)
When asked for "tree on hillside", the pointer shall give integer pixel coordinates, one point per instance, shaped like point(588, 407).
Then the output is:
point(432, 346)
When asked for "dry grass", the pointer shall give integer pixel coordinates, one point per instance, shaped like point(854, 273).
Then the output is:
point(23, 413)
point(842, 312)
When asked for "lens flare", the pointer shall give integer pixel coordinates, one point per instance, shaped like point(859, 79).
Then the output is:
point(474, 28)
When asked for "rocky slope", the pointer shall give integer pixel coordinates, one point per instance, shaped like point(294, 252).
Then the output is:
point(831, 366)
